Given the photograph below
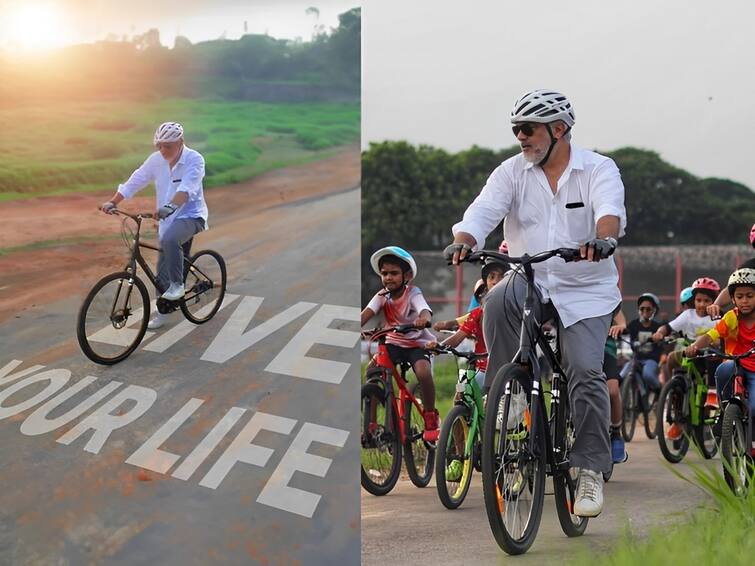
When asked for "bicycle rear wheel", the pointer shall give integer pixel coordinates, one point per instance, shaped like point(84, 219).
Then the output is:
point(565, 478)
point(381, 446)
point(735, 455)
point(452, 443)
point(419, 454)
point(629, 405)
point(205, 282)
point(672, 425)
point(113, 318)
point(513, 476)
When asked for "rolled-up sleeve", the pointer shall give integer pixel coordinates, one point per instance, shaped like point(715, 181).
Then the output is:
point(489, 208)
point(608, 193)
point(191, 182)
point(139, 179)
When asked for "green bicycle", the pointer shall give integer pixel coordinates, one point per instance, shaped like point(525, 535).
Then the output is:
point(683, 414)
point(459, 446)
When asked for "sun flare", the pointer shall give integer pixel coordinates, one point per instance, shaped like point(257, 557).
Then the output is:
point(34, 26)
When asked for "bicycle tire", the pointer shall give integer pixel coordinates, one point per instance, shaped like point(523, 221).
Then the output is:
point(95, 349)
point(673, 449)
point(628, 408)
point(607, 475)
point(419, 455)
point(458, 414)
point(392, 443)
point(572, 525)
point(535, 481)
point(704, 437)
point(650, 428)
point(206, 301)
point(734, 450)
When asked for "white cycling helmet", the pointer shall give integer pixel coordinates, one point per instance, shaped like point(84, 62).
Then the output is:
point(542, 106)
point(168, 132)
point(395, 251)
point(742, 276)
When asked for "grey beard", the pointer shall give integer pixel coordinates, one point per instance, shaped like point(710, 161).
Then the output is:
point(534, 157)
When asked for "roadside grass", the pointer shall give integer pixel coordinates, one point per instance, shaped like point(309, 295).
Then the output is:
point(720, 532)
point(77, 147)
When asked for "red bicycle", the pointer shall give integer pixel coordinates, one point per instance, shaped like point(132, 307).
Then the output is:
point(391, 421)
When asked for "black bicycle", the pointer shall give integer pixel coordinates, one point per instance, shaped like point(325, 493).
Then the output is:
point(528, 431)
point(113, 317)
point(636, 400)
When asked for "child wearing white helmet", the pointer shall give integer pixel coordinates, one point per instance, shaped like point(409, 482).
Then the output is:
point(177, 172)
point(403, 303)
point(737, 329)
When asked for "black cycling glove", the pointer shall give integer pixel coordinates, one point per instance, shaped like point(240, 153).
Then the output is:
point(603, 248)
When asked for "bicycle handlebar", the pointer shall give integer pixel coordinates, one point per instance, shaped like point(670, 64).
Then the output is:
point(401, 329)
point(567, 254)
point(715, 353)
point(136, 216)
point(471, 356)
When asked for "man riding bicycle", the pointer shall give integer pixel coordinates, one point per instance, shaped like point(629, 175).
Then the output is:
point(177, 172)
point(554, 194)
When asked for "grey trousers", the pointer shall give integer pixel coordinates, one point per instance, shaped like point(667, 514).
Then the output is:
point(175, 242)
point(582, 346)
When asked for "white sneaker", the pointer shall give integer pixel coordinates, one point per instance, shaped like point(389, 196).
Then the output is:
point(174, 292)
point(589, 501)
point(157, 321)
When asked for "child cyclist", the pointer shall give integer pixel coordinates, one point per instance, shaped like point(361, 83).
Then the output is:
point(471, 327)
point(611, 369)
point(737, 328)
point(641, 330)
point(403, 303)
point(691, 323)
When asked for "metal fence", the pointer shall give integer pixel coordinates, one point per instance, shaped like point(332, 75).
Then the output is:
point(663, 270)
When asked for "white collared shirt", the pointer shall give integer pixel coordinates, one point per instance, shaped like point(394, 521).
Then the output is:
point(186, 176)
point(537, 220)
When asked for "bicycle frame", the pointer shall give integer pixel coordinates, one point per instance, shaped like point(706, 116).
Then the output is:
point(138, 259)
point(384, 362)
point(696, 385)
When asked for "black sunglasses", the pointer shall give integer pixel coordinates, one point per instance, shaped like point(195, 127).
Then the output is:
point(527, 128)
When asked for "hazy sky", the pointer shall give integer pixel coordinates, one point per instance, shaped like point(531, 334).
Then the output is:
point(52, 23)
point(673, 76)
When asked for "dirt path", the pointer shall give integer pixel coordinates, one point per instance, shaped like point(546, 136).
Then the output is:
point(65, 242)
point(642, 494)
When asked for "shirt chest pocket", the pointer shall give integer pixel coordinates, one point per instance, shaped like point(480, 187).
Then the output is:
point(579, 224)
point(577, 215)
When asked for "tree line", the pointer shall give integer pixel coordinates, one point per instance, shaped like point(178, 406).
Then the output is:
point(412, 195)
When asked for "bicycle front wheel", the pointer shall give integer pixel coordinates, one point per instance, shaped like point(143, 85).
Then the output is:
point(204, 282)
point(650, 414)
point(629, 407)
point(419, 454)
point(513, 472)
point(113, 318)
point(735, 450)
point(672, 425)
point(453, 464)
point(565, 477)
point(381, 445)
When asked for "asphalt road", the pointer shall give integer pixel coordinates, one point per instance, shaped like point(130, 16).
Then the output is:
point(243, 453)
point(410, 525)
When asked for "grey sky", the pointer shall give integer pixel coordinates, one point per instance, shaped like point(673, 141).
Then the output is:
point(674, 76)
point(84, 21)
